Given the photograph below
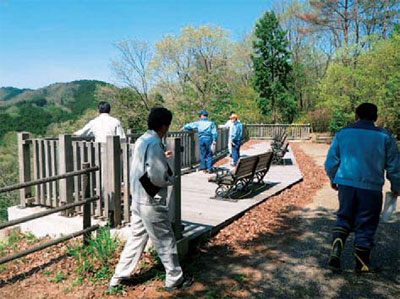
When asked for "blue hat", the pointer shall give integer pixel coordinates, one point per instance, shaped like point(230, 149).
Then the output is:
point(204, 112)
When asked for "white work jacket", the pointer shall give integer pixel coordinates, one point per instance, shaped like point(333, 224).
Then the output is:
point(149, 156)
point(102, 126)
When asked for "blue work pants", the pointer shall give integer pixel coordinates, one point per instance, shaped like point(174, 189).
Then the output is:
point(206, 155)
point(235, 153)
point(359, 211)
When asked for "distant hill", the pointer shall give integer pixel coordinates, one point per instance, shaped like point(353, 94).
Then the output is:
point(34, 110)
point(8, 93)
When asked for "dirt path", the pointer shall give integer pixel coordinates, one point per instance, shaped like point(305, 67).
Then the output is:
point(290, 262)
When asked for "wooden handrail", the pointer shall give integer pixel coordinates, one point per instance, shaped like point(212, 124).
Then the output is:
point(48, 244)
point(49, 179)
point(87, 228)
point(48, 212)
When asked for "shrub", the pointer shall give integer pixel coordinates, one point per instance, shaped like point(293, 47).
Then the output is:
point(320, 119)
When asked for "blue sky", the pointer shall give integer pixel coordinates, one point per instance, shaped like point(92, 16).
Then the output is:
point(48, 41)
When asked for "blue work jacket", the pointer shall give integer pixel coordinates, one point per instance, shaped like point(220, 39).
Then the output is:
point(360, 154)
point(236, 132)
point(205, 128)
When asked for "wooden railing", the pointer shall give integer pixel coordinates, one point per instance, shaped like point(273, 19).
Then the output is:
point(190, 154)
point(44, 158)
point(85, 200)
point(268, 131)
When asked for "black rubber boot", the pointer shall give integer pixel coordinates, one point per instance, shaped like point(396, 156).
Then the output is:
point(339, 239)
point(362, 261)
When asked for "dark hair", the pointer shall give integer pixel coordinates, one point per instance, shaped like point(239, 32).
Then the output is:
point(232, 112)
point(367, 111)
point(158, 118)
point(104, 107)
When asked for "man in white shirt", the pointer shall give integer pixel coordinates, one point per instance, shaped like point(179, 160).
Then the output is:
point(150, 176)
point(228, 125)
point(103, 125)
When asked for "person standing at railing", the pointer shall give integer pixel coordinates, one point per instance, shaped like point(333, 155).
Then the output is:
point(150, 177)
point(235, 135)
point(228, 125)
point(208, 134)
point(356, 164)
point(103, 125)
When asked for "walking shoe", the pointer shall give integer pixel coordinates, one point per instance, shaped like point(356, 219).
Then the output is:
point(117, 282)
point(114, 283)
point(184, 284)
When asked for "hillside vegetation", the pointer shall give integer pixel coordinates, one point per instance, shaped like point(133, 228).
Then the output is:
point(57, 108)
point(35, 110)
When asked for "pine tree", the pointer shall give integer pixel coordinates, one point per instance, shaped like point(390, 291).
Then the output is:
point(272, 69)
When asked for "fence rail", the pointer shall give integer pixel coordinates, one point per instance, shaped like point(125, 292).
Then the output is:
point(87, 227)
point(268, 131)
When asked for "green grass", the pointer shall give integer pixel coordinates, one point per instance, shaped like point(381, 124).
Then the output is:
point(95, 258)
point(59, 277)
point(12, 241)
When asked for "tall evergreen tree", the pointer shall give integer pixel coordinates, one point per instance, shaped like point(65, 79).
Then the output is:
point(272, 69)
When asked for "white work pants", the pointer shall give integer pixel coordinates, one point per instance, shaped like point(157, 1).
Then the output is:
point(150, 222)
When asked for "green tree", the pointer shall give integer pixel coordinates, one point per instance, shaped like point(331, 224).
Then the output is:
point(375, 79)
point(272, 69)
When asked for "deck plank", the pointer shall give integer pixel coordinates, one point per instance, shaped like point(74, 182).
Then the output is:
point(201, 213)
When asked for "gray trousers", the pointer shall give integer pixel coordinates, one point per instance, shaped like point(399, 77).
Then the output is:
point(150, 222)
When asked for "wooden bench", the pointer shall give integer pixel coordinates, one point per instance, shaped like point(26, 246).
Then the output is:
point(263, 165)
point(278, 141)
point(279, 153)
point(239, 178)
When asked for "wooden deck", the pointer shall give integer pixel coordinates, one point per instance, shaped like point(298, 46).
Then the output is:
point(203, 215)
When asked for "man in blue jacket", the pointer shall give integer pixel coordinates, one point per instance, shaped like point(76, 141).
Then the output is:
point(208, 134)
point(356, 162)
point(236, 132)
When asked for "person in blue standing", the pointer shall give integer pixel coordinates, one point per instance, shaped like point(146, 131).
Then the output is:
point(236, 132)
point(208, 134)
point(356, 163)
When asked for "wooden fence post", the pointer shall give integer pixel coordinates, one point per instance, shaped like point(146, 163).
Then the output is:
point(112, 180)
point(196, 147)
point(125, 172)
point(24, 161)
point(174, 144)
point(86, 206)
point(66, 165)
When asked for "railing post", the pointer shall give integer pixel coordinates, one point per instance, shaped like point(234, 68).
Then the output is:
point(24, 161)
point(112, 180)
point(196, 147)
point(66, 165)
point(86, 206)
point(174, 144)
point(192, 148)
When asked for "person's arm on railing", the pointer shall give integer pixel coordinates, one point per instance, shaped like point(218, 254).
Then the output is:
point(191, 126)
point(86, 131)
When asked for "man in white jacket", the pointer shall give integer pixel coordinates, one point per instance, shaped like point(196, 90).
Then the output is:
point(150, 177)
point(103, 125)
point(229, 125)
